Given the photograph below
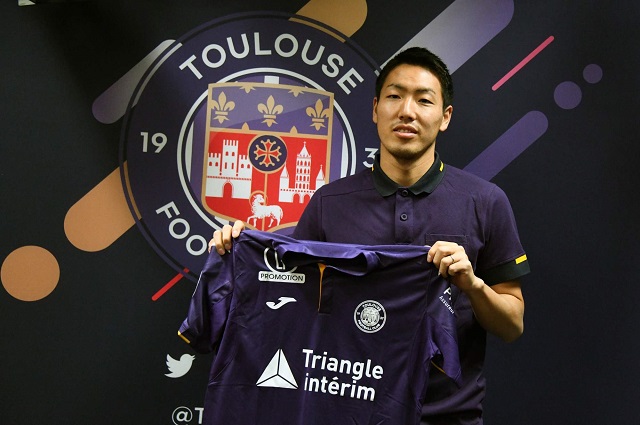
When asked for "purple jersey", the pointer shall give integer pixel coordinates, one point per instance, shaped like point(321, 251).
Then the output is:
point(446, 204)
point(317, 333)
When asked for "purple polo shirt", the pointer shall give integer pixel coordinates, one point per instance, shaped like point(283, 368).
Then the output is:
point(446, 204)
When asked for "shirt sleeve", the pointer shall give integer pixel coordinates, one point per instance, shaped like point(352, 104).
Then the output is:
point(206, 318)
point(503, 258)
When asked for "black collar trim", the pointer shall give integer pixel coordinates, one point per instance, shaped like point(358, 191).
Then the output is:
point(427, 183)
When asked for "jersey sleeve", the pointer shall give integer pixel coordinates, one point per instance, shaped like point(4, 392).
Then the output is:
point(209, 306)
point(444, 348)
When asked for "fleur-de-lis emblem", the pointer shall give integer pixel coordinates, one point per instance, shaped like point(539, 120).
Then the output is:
point(270, 111)
point(221, 107)
point(318, 115)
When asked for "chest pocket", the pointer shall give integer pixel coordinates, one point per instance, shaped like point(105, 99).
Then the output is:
point(431, 238)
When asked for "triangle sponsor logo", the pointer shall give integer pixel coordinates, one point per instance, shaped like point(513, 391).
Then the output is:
point(278, 374)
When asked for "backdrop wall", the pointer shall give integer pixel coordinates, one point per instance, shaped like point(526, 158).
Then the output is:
point(98, 265)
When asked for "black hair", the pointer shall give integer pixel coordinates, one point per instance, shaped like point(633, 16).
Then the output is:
point(419, 56)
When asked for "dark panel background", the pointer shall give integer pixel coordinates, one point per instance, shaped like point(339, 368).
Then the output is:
point(94, 350)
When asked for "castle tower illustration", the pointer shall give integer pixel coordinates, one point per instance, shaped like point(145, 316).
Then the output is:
point(301, 189)
point(228, 169)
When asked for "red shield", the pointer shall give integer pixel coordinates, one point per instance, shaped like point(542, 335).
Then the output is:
point(267, 151)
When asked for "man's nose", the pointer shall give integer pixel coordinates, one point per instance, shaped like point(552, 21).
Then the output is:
point(407, 110)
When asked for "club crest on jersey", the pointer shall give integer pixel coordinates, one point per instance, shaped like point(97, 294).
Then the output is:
point(267, 151)
point(370, 316)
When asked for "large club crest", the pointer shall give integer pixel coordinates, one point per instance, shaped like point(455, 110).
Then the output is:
point(246, 135)
point(267, 151)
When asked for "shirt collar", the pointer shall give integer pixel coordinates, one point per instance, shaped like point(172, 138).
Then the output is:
point(427, 183)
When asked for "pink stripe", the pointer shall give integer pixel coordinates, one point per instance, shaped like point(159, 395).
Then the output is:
point(522, 63)
point(169, 285)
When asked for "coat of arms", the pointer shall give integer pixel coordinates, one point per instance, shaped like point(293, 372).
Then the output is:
point(267, 151)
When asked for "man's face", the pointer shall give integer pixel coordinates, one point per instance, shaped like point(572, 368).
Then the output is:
point(409, 113)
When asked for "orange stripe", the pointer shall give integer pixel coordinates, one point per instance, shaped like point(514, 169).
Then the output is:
point(183, 337)
point(345, 16)
point(100, 217)
point(321, 267)
point(438, 367)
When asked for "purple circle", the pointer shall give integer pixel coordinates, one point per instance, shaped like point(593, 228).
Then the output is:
point(567, 95)
point(592, 73)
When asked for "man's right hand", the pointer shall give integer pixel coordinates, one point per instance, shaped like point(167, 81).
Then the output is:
point(223, 238)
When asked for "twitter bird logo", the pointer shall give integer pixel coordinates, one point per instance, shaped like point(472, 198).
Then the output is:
point(178, 368)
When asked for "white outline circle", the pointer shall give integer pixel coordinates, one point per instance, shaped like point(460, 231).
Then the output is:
point(370, 329)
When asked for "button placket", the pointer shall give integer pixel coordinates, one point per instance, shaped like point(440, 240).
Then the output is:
point(404, 209)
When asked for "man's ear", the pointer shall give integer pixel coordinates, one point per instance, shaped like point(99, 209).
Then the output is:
point(446, 117)
point(375, 114)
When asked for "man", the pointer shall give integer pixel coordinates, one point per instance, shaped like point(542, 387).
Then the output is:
point(411, 197)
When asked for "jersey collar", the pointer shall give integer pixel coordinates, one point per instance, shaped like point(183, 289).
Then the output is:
point(427, 183)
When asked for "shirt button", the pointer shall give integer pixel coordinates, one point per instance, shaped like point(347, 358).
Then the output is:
point(404, 192)
point(404, 217)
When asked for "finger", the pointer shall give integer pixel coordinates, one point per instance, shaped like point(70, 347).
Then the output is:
point(218, 240)
point(436, 252)
point(441, 249)
point(446, 263)
point(431, 254)
point(227, 237)
point(238, 227)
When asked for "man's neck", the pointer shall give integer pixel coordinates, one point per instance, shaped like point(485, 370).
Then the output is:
point(406, 173)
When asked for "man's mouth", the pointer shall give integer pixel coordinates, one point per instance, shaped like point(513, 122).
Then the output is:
point(405, 129)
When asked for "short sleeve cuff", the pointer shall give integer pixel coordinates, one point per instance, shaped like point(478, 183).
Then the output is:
point(511, 270)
